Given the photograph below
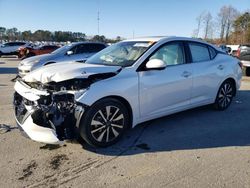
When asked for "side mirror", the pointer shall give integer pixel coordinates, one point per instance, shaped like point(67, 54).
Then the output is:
point(69, 53)
point(155, 64)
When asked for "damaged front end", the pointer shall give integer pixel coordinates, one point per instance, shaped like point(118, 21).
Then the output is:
point(49, 112)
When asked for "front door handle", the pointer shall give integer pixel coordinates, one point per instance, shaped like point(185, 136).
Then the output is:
point(186, 74)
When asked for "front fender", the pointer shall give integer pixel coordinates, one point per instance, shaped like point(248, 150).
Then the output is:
point(124, 85)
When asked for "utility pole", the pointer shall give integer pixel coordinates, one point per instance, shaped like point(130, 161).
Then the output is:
point(98, 17)
point(98, 20)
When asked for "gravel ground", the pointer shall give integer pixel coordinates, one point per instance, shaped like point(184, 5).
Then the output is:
point(195, 148)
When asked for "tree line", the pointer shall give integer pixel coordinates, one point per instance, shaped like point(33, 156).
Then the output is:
point(13, 34)
point(229, 26)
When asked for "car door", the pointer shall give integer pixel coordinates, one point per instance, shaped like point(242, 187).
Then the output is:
point(208, 71)
point(168, 90)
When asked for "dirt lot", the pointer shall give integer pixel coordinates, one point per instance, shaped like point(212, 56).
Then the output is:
point(196, 148)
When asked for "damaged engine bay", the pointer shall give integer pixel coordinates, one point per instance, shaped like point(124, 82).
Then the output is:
point(56, 108)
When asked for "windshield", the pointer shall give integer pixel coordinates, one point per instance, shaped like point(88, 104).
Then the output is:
point(120, 54)
point(63, 49)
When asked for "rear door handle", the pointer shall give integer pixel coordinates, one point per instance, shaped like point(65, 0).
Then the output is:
point(220, 67)
point(186, 74)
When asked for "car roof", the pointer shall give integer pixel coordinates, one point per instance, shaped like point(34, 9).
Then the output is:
point(87, 42)
point(151, 38)
point(165, 38)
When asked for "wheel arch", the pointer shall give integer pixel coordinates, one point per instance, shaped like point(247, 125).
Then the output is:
point(48, 63)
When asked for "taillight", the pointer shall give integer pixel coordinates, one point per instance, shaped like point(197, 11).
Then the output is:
point(238, 52)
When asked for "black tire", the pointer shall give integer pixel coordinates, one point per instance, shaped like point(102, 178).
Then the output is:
point(0, 54)
point(225, 95)
point(247, 71)
point(104, 123)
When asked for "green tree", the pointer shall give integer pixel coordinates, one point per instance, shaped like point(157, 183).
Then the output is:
point(242, 27)
point(2, 32)
point(99, 38)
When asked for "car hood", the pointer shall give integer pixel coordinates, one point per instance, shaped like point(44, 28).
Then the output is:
point(36, 59)
point(66, 71)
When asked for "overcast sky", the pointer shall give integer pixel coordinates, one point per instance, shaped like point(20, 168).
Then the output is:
point(117, 17)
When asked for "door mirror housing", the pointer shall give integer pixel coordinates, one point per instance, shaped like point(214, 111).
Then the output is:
point(155, 64)
point(69, 53)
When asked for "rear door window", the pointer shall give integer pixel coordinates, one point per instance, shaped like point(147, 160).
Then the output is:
point(199, 52)
point(212, 52)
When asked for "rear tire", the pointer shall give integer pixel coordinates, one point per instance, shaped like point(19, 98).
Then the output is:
point(104, 123)
point(225, 95)
point(247, 71)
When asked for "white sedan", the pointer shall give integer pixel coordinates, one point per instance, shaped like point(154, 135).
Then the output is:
point(121, 86)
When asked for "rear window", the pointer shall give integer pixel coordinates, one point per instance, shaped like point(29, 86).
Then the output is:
point(92, 48)
point(199, 52)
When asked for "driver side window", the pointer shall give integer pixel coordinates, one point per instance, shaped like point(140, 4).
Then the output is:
point(170, 54)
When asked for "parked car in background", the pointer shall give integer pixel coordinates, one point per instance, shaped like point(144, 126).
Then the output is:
point(24, 52)
point(125, 84)
point(225, 48)
point(79, 51)
point(234, 49)
point(11, 48)
point(243, 55)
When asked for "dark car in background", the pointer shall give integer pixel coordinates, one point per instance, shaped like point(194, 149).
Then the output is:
point(24, 52)
point(243, 55)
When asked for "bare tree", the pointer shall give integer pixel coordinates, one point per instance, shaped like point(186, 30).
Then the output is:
point(226, 17)
point(207, 21)
point(232, 14)
point(199, 22)
point(222, 21)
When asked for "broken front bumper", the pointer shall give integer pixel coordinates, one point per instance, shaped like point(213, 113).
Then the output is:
point(38, 133)
point(43, 119)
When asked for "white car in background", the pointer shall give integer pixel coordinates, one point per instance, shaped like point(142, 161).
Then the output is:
point(127, 83)
point(11, 48)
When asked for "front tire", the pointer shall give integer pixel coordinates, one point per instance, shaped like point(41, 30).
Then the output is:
point(104, 123)
point(224, 96)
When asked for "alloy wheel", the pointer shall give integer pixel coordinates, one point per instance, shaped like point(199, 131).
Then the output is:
point(225, 95)
point(107, 124)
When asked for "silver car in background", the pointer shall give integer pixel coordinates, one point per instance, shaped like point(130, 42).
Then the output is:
point(78, 51)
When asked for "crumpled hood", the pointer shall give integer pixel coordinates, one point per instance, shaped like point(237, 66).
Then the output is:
point(35, 59)
point(64, 71)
